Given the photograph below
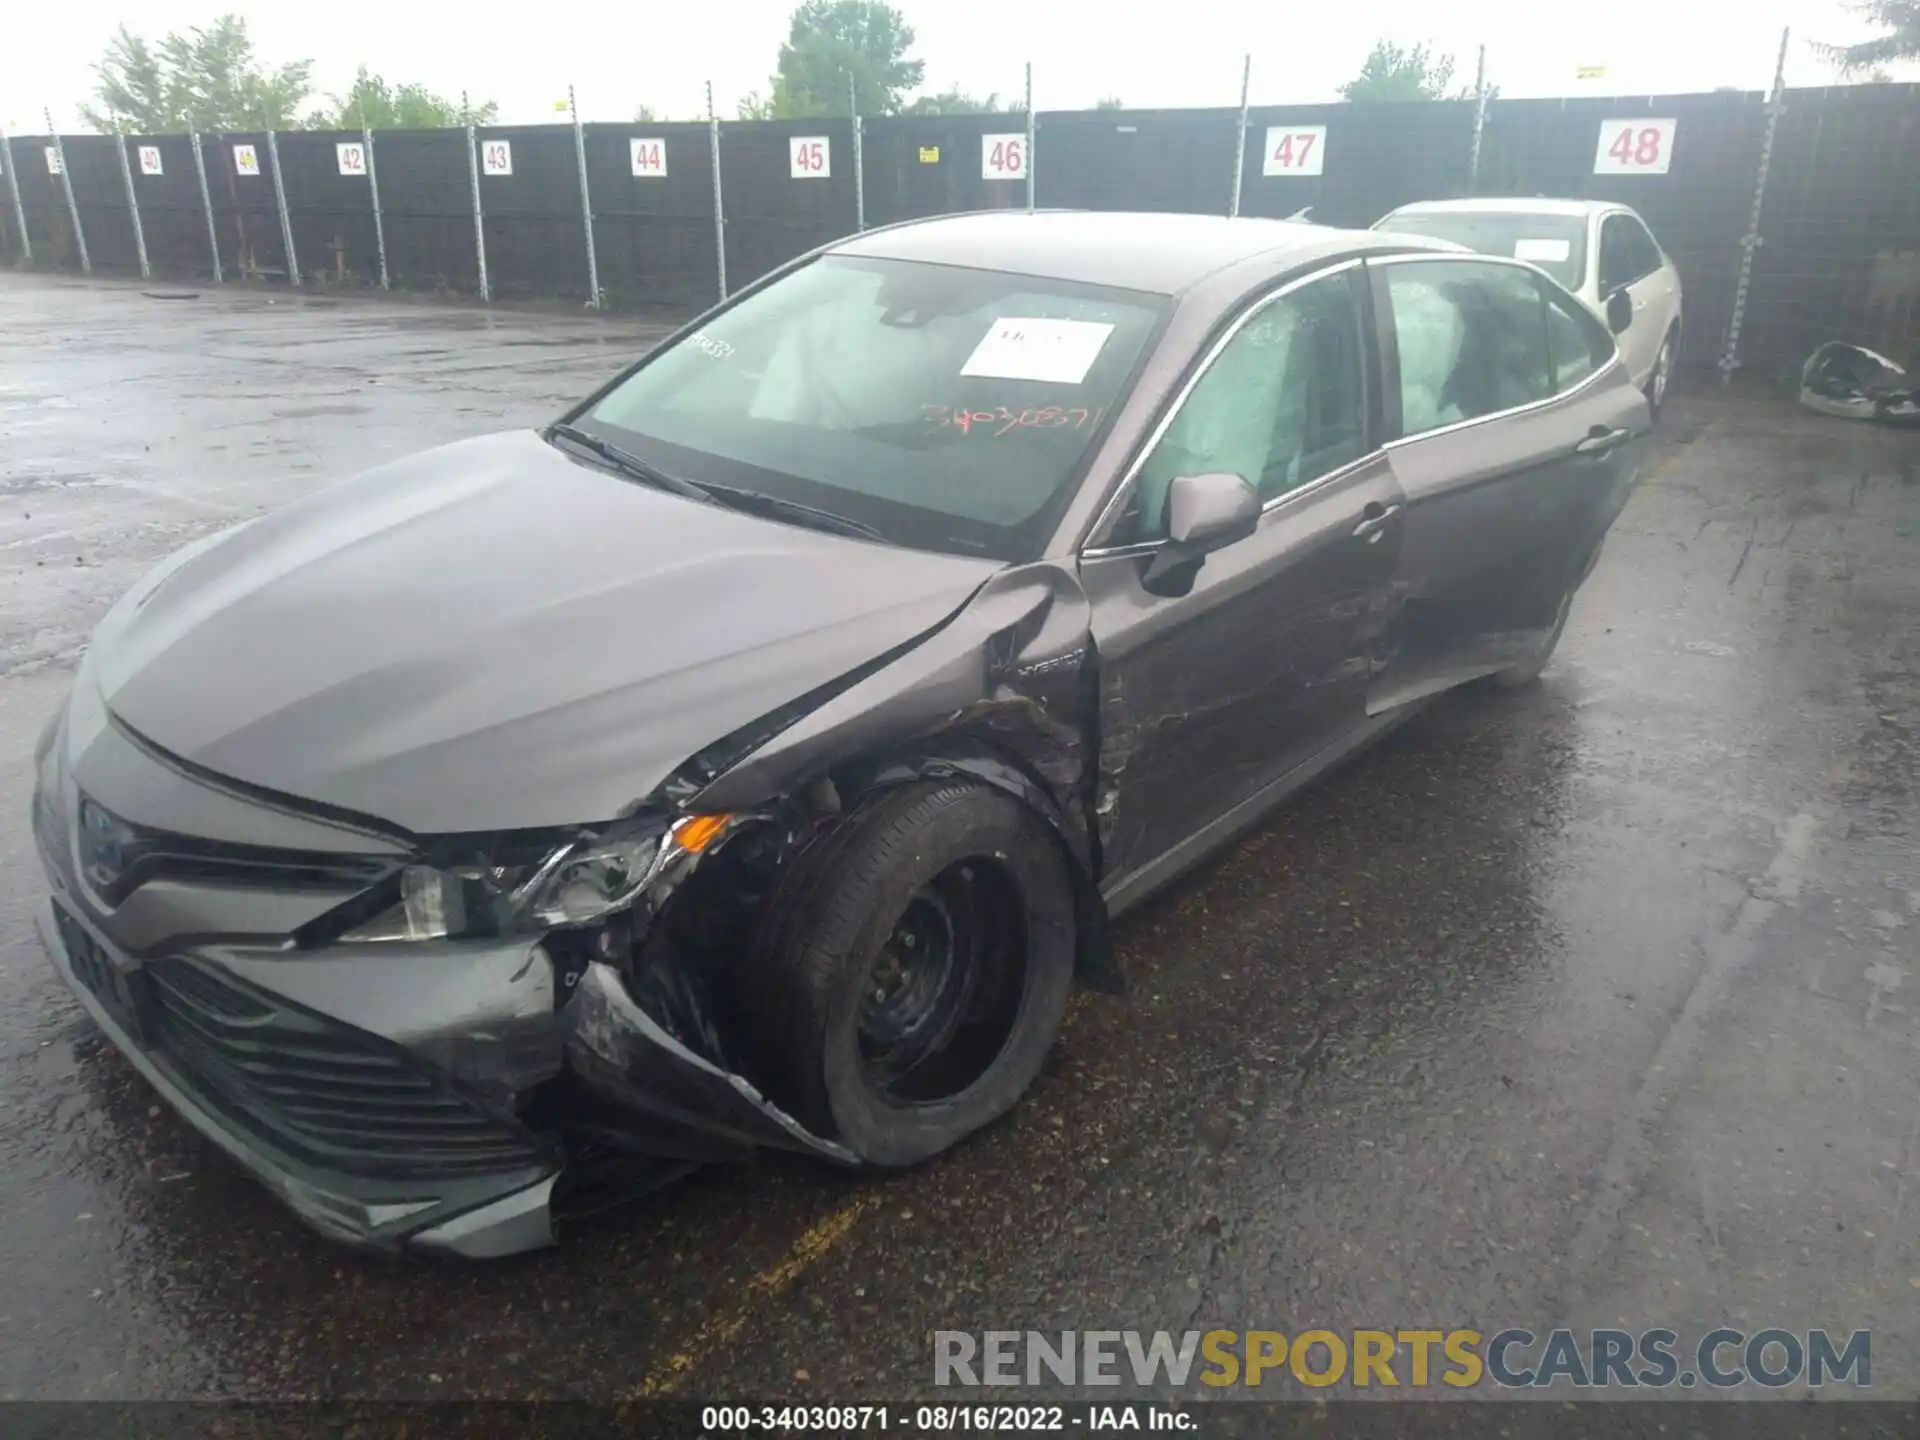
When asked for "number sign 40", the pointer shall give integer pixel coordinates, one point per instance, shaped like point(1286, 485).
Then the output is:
point(1634, 147)
point(150, 160)
point(1003, 157)
point(1295, 150)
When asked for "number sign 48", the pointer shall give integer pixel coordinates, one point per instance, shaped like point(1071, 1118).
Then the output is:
point(1634, 147)
point(809, 157)
point(1003, 157)
point(1295, 150)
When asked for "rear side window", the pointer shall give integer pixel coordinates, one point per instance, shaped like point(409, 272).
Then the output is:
point(1471, 337)
point(1577, 344)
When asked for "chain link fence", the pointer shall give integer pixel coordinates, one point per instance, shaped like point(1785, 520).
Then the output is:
point(1816, 237)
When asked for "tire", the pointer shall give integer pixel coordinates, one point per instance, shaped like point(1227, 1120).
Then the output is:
point(1659, 382)
point(868, 907)
point(1514, 677)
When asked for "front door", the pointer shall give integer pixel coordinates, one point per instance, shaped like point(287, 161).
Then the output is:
point(1629, 260)
point(1212, 697)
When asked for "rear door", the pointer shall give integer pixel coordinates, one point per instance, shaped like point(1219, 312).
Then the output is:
point(1506, 467)
point(1210, 698)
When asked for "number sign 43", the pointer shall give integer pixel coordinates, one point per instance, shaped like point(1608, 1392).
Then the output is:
point(1634, 147)
point(1295, 150)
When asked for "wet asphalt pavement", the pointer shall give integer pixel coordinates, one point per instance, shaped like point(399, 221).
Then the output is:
point(1592, 1005)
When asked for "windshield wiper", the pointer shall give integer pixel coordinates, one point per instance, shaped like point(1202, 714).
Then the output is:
point(629, 464)
point(777, 507)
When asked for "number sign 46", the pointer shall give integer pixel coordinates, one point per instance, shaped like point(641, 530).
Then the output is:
point(1003, 157)
point(809, 157)
point(1634, 147)
point(1295, 150)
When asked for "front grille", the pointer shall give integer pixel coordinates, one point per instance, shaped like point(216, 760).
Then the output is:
point(325, 1092)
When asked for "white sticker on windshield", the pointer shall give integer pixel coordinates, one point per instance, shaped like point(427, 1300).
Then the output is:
point(1059, 352)
point(1550, 252)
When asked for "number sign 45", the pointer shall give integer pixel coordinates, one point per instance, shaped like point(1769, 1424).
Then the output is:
point(809, 157)
point(1634, 147)
point(1295, 150)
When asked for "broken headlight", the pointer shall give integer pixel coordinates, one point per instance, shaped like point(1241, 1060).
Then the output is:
point(578, 880)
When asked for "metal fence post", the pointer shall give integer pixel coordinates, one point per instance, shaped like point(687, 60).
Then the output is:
point(1730, 357)
point(133, 205)
point(280, 200)
point(479, 227)
point(719, 208)
point(1031, 167)
point(1240, 136)
point(586, 200)
point(206, 201)
point(1479, 120)
point(859, 162)
point(13, 185)
point(373, 189)
point(73, 206)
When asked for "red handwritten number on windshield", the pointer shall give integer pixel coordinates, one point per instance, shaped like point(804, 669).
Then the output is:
point(1292, 151)
point(1003, 420)
point(1641, 148)
point(810, 156)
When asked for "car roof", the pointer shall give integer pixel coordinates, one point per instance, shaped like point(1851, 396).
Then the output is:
point(1154, 252)
point(1509, 205)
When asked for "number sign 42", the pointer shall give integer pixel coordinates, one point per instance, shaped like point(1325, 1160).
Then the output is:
point(351, 155)
point(1295, 150)
point(1634, 147)
point(1003, 157)
point(809, 157)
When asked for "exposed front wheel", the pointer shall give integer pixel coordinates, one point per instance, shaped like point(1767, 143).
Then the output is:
point(1661, 378)
point(911, 970)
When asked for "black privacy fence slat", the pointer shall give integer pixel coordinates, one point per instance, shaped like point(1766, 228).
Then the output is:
point(1837, 252)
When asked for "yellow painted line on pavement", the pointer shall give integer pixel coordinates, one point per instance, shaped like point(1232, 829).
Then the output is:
point(719, 1331)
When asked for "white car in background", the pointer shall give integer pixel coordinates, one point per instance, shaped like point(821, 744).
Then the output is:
point(1604, 253)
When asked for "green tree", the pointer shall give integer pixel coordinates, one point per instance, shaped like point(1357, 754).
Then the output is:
point(1110, 102)
point(207, 79)
point(644, 115)
point(953, 101)
point(1900, 19)
point(830, 41)
point(1404, 72)
point(373, 103)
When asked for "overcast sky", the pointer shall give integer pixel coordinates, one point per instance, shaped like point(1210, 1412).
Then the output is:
point(1149, 52)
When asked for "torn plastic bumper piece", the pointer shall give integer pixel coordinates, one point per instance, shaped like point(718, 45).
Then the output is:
point(676, 1103)
point(1856, 383)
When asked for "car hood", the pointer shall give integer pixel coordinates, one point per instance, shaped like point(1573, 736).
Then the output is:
point(491, 635)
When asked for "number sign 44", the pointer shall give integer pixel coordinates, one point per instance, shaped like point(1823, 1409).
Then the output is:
point(1295, 150)
point(1634, 147)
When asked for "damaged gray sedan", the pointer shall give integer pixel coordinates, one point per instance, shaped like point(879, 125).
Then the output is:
point(755, 756)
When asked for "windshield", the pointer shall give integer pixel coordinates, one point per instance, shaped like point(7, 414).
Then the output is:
point(950, 409)
point(1556, 243)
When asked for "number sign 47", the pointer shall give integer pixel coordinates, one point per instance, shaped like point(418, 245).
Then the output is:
point(1634, 147)
point(1295, 150)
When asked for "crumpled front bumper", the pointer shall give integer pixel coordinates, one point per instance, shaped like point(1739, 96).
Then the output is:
point(395, 1095)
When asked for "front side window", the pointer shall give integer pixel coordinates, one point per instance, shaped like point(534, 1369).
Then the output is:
point(1472, 340)
point(1556, 243)
point(949, 408)
point(1283, 403)
point(1577, 344)
point(1627, 253)
point(1646, 254)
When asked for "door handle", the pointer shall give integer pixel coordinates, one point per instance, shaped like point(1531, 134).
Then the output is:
point(1602, 441)
point(1373, 518)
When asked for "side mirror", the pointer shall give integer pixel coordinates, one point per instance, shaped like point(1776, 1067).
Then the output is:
point(1619, 312)
point(1204, 513)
